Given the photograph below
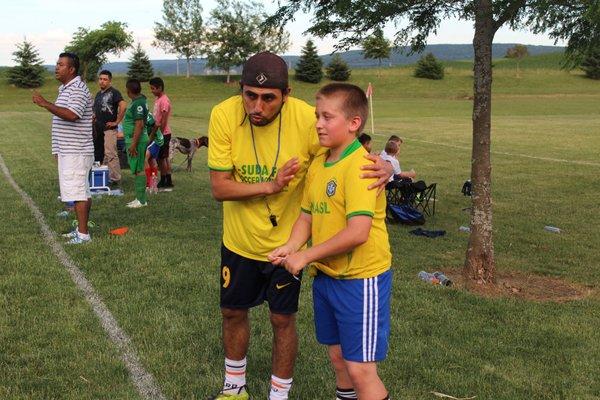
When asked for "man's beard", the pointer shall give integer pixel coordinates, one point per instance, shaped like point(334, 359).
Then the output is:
point(264, 122)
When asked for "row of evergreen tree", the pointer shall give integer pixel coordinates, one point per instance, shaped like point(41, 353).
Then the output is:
point(30, 73)
point(310, 66)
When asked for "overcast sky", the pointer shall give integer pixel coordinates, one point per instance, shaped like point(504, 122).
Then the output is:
point(50, 24)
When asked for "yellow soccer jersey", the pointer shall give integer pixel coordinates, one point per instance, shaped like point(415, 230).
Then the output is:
point(335, 192)
point(247, 229)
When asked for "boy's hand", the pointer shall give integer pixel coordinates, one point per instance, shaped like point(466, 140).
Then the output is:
point(380, 169)
point(132, 150)
point(277, 256)
point(294, 263)
point(285, 174)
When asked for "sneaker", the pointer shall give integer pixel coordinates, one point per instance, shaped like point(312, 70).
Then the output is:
point(70, 235)
point(136, 204)
point(79, 240)
point(167, 187)
point(242, 394)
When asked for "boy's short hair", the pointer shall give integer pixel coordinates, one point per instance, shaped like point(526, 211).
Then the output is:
point(134, 86)
point(396, 139)
point(391, 147)
point(355, 101)
point(107, 73)
point(364, 138)
point(157, 82)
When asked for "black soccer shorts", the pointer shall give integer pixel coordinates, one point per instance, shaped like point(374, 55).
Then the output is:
point(246, 283)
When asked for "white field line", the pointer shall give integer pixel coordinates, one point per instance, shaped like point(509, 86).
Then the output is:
point(559, 160)
point(143, 381)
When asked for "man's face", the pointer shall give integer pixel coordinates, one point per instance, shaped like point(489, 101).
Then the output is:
point(104, 82)
point(63, 69)
point(262, 104)
point(156, 90)
point(333, 126)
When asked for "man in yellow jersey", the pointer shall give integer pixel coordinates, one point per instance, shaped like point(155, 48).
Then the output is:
point(261, 144)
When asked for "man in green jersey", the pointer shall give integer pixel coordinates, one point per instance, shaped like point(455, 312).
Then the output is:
point(136, 139)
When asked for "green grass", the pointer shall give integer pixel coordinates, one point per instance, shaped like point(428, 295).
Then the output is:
point(161, 280)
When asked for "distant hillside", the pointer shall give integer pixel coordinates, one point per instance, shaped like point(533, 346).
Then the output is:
point(445, 52)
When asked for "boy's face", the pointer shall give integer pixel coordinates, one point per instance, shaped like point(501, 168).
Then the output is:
point(333, 126)
point(156, 90)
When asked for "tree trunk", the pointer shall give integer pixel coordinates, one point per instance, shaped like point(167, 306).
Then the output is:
point(479, 265)
point(189, 68)
point(228, 75)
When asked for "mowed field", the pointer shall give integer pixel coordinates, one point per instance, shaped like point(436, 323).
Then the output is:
point(161, 280)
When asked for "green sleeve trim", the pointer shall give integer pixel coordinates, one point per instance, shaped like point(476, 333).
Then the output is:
point(304, 210)
point(355, 213)
point(220, 169)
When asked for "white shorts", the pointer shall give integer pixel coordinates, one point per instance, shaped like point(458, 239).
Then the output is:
point(73, 172)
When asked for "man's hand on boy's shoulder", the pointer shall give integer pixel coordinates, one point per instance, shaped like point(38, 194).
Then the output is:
point(379, 169)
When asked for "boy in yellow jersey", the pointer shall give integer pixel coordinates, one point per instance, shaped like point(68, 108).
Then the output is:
point(350, 247)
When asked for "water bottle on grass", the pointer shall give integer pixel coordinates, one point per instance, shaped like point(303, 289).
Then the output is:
point(429, 278)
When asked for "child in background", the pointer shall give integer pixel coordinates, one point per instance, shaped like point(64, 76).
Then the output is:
point(150, 166)
point(136, 139)
point(350, 248)
point(365, 140)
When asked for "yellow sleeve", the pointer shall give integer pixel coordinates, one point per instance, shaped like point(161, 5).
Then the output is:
point(219, 138)
point(359, 199)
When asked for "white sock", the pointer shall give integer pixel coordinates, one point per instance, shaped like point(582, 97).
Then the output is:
point(235, 376)
point(279, 388)
point(345, 394)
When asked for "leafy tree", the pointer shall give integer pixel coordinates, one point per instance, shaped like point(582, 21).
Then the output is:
point(518, 52)
point(591, 64)
point(376, 46)
point(92, 46)
point(338, 70)
point(310, 65)
point(231, 34)
point(29, 73)
point(182, 32)
point(429, 67)
point(140, 67)
point(577, 21)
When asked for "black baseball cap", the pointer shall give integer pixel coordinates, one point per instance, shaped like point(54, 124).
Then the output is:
point(266, 70)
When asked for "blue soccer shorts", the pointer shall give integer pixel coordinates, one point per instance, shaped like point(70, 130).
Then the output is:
point(153, 149)
point(354, 313)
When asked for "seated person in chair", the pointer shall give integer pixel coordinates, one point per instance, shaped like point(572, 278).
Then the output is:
point(390, 154)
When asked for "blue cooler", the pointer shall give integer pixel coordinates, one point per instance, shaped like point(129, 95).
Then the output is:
point(99, 179)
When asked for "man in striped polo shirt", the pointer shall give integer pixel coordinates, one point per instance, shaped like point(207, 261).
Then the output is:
point(72, 143)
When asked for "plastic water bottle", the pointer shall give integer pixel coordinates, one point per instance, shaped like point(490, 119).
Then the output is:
point(552, 229)
point(154, 184)
point(444, 280)
point(464, 229)
point(429, 278)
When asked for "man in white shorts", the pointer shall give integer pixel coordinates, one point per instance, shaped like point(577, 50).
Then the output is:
point(72, 143)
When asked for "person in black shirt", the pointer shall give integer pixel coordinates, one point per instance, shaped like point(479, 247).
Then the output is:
point(109, 108)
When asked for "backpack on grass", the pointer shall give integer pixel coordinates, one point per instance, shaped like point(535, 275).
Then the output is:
point(405, 214)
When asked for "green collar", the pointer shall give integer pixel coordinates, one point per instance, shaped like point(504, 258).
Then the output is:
point(352, 147)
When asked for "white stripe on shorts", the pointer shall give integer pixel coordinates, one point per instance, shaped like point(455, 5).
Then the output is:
point(370, 318)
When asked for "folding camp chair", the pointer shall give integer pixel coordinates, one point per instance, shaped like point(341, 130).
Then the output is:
point(416, 194)
point(424, 200)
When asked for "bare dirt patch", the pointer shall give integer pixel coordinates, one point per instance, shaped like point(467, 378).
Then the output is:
point(524, 286)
